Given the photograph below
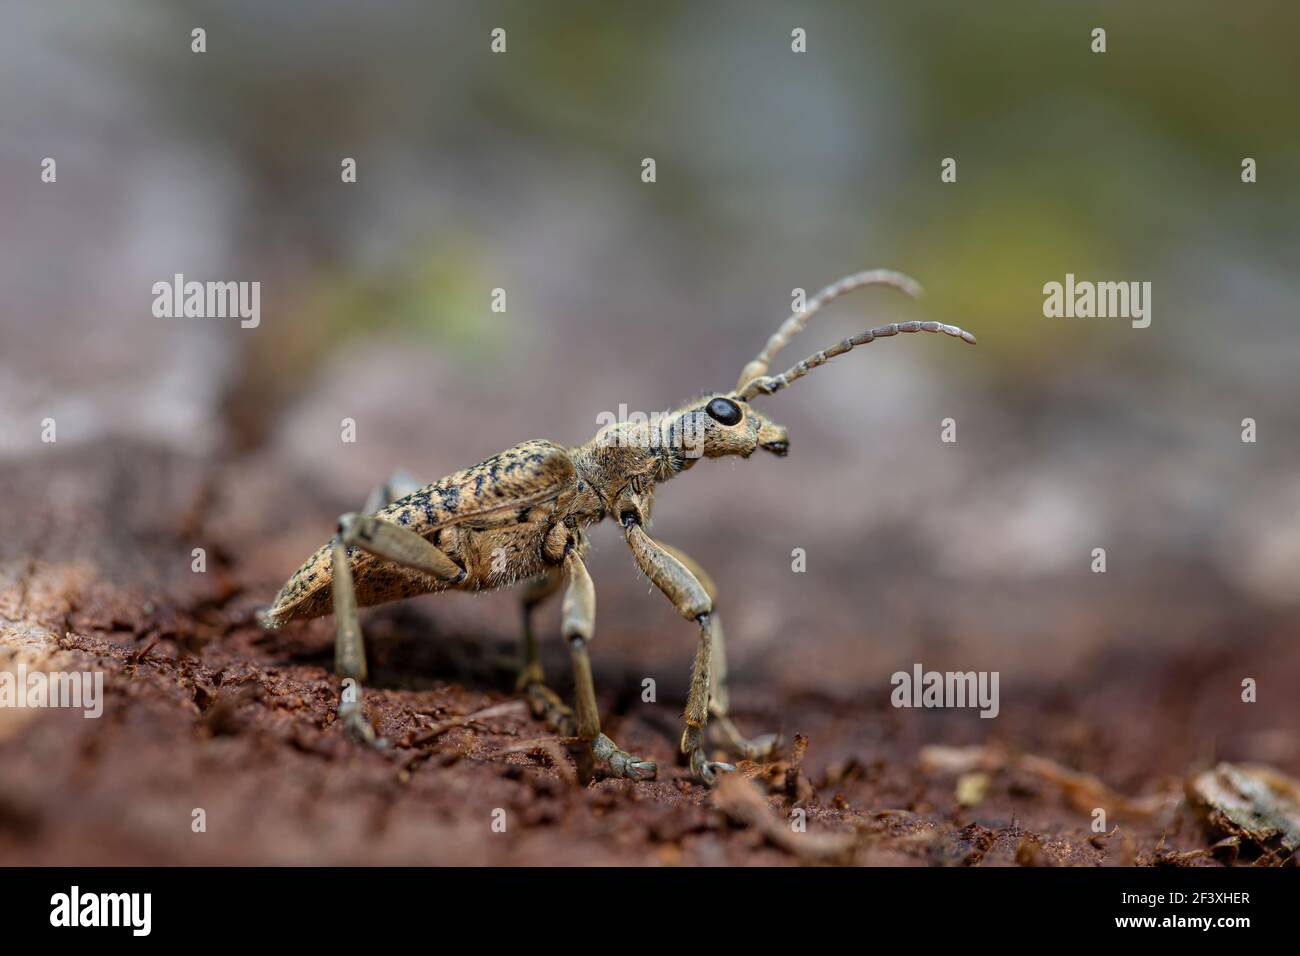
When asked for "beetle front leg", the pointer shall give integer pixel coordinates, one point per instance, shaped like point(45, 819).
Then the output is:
point(757, 748)
point(697, 706)
point(675, 580)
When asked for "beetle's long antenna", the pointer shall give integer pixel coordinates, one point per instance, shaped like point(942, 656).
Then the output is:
point(795, 323)
point(768, 384)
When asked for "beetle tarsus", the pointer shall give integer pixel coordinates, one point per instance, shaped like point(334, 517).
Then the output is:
point(358, 729)
point(702, 767)
point(620, 762)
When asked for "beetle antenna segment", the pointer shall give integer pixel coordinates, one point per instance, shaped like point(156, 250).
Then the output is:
point(795, 323)
point(768, 385)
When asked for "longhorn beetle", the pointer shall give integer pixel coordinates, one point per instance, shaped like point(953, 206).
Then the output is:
point(522, 514)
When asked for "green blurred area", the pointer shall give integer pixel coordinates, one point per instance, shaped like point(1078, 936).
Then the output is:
point(1068, 160)
point(775, 168)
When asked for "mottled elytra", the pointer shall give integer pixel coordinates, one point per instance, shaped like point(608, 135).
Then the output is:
point(521, 516)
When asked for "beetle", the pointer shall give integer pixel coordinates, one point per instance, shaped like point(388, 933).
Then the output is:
point(521, 516)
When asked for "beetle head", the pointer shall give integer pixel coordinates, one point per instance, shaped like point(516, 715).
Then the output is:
point(724, 424)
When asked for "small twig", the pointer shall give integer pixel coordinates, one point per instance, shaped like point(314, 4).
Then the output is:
point(797, 752)
point(553, 748)
point(509, 708)
point(538, 743)
point(742, 801)
point(1083, 790)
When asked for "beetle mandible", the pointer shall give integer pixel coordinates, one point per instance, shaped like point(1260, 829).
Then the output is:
point(521, 516)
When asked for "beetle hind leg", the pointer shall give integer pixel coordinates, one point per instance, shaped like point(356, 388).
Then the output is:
point(391, 543)
point(350, 652)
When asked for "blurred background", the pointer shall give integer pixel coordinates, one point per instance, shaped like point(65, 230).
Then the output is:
point(775, 170)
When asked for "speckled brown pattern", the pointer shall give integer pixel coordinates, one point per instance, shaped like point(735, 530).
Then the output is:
point(516, 490)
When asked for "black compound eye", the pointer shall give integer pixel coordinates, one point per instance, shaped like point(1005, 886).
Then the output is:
point(724, 410)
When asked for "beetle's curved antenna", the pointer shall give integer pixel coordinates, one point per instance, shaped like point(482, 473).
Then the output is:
point(770, 384)
point(795, 323)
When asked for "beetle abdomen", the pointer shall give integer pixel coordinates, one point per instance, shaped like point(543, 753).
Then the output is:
point(530, 474)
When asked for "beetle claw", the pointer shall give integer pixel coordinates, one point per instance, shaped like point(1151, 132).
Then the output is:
point(706, 769)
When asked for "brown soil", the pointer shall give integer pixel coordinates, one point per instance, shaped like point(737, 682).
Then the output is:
point(206, 710)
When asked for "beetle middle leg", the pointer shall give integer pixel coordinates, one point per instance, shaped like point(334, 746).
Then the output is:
point(542, 701)
point(398, 486)
point(757, 748)
point(579, 624)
